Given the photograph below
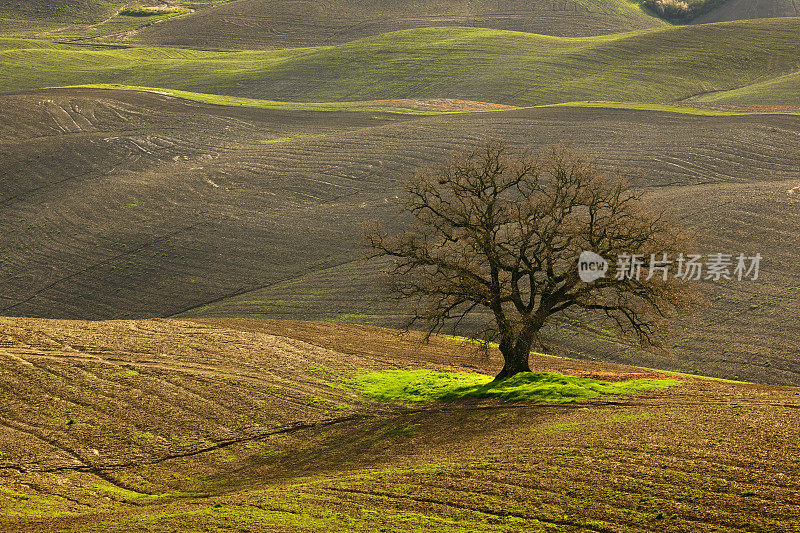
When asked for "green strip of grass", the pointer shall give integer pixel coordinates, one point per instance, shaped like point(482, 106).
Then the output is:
point(220, 99)
point(683, 110)
point(429, 385)
point(121, 494)
point(292, 137)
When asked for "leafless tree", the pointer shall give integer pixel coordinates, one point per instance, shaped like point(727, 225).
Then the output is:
point(503, 233)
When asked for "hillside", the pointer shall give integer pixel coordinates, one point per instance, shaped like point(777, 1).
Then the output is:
point(31, 16)
point(60, 10)
point(248, 24)
point(193, 337)
point(120, 204)
point(469, 64)
point(164, 425)
point(750, 9)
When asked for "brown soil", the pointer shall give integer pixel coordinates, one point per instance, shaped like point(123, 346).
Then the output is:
point(248, 24)
point(121, 204)
point(242, 424)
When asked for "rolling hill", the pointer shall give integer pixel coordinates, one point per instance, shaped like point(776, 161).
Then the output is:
point(61, 10)
point(34, 16)
point(121, 204)
point(165, 425)
point(470, 64)
point(191, 339)
point(248, 24)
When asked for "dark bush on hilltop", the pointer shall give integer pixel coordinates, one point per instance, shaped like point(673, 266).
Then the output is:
point(151, 11)
point(680, 11)
point(673, 10)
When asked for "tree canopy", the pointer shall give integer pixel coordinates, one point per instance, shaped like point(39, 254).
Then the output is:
point(504, 233)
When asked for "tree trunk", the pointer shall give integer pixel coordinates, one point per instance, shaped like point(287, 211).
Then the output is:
point(515, 357)
point(517, 351)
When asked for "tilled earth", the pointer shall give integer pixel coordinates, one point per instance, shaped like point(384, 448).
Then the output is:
point(121, 204)
point(254, 24)
point(164, 425)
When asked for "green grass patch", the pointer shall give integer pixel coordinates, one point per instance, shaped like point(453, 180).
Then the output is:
point(119, 493)
point(221, 99)
point(125, 495)
point(470, 340)
point(292, 137)
point(692, 376)
point(680, 109)
point(145, 11)
point(560, 428)
point(15, 504)
point(430, 385)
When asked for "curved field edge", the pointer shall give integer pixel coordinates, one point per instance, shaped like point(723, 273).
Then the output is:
point(510, 68)
point(401, 106)
point(421, 107)
point(429, 385)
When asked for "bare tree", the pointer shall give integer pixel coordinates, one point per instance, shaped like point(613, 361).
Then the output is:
point(504, 234)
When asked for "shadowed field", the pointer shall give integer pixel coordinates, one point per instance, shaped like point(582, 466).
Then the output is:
point(161, 424)
point(125, 204)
